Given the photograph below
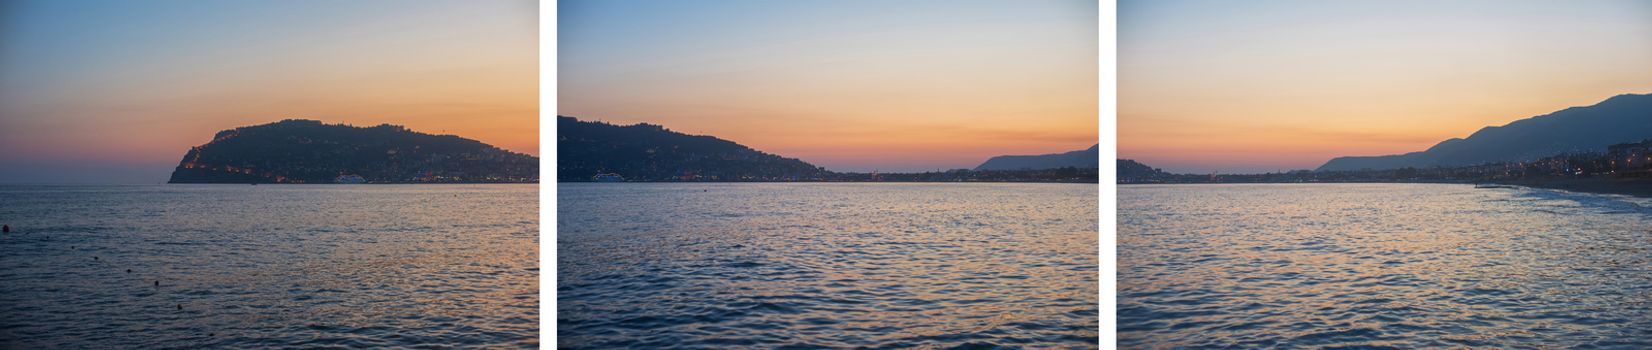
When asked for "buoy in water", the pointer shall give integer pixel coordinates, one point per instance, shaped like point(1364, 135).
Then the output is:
point(180, 306)
point(157, 283)
point(94, 258)
point(128, 270)
point(5, 228)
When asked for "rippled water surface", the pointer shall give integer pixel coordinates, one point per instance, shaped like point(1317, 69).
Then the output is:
point(827, 265)
point(347, 266)
point(1382, 265)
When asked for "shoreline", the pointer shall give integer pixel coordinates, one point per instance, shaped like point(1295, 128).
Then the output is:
point(83, 184)
point(1636, 187)
point(775, 182)
point(364, 183)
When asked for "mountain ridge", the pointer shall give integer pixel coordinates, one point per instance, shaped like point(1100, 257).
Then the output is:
point(309, 151)
point(1618, 119)
point(1085, 158)
point(593, 151)
point(649, 152)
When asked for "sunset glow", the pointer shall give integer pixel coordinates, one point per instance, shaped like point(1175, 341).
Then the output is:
point(1220, 86)
point(848, 85)
point(117, 91)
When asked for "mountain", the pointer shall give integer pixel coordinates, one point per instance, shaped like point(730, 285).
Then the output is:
point(1131, 171)
point(308, 151)
point(1620, 119)
point(648, 152)
point(1086, 159)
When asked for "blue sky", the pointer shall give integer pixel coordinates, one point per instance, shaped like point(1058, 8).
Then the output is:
point(117, 91)
point(1256, 86)
point(848, 85)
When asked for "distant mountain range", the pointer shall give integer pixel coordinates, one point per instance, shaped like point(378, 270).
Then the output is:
point(1620, 168)
point(308, 151)
point(1084, 159)
point(1131, 171)
point(1620, 119)
point(648, 152)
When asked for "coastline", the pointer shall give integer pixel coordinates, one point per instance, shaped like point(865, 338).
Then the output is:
point(812, 181)
point(346, 184)
point(1638, 187)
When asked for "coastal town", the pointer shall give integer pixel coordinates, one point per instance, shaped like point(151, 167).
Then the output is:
point(1617, 163)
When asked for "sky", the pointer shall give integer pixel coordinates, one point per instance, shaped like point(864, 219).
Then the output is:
point(849, 85)
point(118, 91)
point(1269, 85)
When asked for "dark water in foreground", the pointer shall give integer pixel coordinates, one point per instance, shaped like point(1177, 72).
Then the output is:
point(827, 265)
point(1382, 265)
point(348, 266)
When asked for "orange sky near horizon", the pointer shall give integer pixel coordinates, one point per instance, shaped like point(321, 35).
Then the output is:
point(1215, 86)
point(909, 86)
point(136, 84)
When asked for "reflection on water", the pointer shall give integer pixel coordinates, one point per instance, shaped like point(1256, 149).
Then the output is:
point(1388, 265)
point(826, 265)
point(269, 266)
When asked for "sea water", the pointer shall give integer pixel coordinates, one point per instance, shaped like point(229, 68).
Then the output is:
point(827, 265)
point(1381, 265)
point(238, 266)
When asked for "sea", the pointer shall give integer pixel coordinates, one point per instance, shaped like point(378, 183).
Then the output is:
point(827, 265)
point(269, 266)
point(1381, 266)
